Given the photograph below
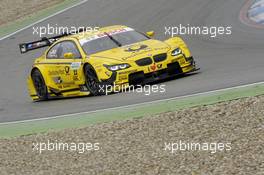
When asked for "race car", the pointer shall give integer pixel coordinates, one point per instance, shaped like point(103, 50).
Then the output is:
point(84, 63)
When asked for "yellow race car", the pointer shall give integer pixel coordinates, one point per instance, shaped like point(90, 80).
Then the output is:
point(84, 63)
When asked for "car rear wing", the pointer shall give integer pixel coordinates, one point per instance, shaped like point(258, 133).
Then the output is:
point(44, 42)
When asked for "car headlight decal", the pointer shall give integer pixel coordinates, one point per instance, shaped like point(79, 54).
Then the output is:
point(176, 52)
point(117, 67)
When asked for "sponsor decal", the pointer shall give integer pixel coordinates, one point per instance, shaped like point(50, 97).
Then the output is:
point(137, 53)
point(75, 65)
point(182, 61)
point(67, 69)
point(53, 53)
point(113, 32)
point(161, 48)
point(65, 85)
point(122, 77)
point(56, 72)
point(136, 48)
point(102, 34)
point(108, 73)
point(57, 80)
point(68, 84)
point(159, 66)
point(76, 78)
point(75, 72)
point(34, 45)
point(154, 67)
point(127, 72)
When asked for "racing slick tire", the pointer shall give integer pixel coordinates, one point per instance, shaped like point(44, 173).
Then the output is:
point(91, 81)
point(39, 84)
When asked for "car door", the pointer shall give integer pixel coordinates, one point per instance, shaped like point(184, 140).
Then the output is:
point(65, 65)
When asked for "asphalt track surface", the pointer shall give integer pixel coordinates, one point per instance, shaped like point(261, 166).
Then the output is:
point(225, 61)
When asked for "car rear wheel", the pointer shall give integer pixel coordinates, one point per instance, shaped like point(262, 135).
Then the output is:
point(92, 82)
point(39, 84)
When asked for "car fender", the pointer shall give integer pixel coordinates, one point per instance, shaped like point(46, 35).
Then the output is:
point(178, 42)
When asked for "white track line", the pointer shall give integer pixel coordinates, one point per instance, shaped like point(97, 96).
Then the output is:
point(41, 20)
point(134, 105)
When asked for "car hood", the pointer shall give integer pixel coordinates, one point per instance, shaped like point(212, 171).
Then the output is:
point(133, 52)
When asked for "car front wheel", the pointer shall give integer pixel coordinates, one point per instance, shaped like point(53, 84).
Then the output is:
point(92, 82)
point(39, 84)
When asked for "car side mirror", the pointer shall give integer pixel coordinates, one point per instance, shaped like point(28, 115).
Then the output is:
point(68, 55)
point(150, 34)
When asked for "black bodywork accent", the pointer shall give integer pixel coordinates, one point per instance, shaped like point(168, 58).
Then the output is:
point(44, 42)
point(173, 69)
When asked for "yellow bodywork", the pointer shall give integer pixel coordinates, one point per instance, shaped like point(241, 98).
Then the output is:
point(73, 80)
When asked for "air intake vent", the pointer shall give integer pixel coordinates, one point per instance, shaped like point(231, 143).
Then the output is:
point(144, 61)
point(160, 57)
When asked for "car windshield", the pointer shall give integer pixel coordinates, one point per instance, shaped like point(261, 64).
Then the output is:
point(91, 46)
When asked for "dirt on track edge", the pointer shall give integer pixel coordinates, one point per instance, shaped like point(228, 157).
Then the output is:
point(16, 10)
point(139, 146)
